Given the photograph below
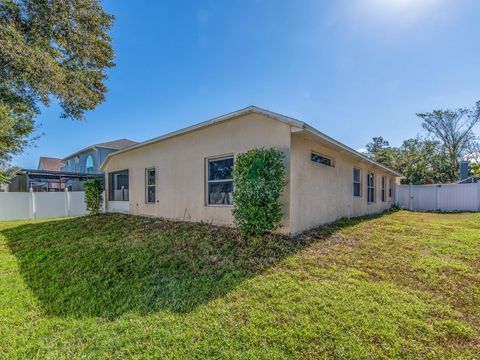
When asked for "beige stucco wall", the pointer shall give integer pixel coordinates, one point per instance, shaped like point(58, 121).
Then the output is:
point(180, 164)
point(321, 194)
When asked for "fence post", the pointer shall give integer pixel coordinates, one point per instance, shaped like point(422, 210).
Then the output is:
point(32, 204)
point(437, 195)
point(410, 189)
point(395, 197)
point(67, 202)
point(478, 193)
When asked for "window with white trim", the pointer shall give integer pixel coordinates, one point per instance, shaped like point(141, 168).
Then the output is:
point(150, 181)
point(390, 188)
point(321, 159)
point(357, 182)
point(383, 189)
point(370, 187)
point(220, 181)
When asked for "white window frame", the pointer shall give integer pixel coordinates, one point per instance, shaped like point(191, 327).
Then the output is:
point(384, 189)
point(390, 187)
point(207, 181)
point(371, 175)
point(147, 185)
point(357, 182)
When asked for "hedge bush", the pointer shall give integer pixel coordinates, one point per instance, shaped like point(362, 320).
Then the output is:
point(93, 195)
point(258, 182)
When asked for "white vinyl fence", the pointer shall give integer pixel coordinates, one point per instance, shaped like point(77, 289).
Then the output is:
point(41, 205)
point(445, 197)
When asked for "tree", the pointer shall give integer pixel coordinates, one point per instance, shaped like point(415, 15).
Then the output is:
point(15, 126)
point(453, 128)
point(473, 157)
point(380, 151)
point(93, 195)
point(421, 161)
point(57, 49)
point(377, 145)
point(475, 169)
point(258, 182)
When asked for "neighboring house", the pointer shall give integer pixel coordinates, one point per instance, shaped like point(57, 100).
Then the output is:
point(88, 160)
point(69, 173)
point(50, 164)
point(187, 174)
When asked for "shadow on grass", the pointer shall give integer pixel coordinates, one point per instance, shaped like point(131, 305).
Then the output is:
point(110, 264)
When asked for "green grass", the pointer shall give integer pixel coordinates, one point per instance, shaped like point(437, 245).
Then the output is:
point(400, 285)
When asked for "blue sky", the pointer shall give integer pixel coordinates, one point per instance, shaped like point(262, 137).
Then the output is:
point(351, 68)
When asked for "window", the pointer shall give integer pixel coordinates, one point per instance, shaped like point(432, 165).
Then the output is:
point(321, 159)
point(118, 186)
point(390, 188)
point(383, 189)
point(219, 181)
point(370, 187)
point(150, 185)
point(89, 164)
point(357, 182)
point(77, 164)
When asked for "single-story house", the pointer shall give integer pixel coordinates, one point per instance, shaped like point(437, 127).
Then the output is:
point(186, 174)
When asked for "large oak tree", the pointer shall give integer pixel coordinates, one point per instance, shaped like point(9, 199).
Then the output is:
point(49, 49)
point(454, 130)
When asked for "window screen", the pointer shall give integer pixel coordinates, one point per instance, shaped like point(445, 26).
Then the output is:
point(321, 159)
point(357, 182)
point(150, 185)
point(383, 189)
point(219, 181)
point(371, 187)
point(118, 186)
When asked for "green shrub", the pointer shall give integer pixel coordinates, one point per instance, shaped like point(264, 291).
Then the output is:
point(258, 182)
point(93, 195)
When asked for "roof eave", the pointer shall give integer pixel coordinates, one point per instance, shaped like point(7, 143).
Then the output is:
point(348, 149)
point(216, 120)
point(247, 110)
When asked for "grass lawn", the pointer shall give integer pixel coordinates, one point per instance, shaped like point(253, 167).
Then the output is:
point(398, 285)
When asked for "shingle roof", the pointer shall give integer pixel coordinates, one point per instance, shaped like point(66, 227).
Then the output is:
point(50, 164)
point(115, 145)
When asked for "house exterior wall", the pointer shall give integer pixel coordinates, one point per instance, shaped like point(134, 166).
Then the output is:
point(321, 194)
point(180, 164)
